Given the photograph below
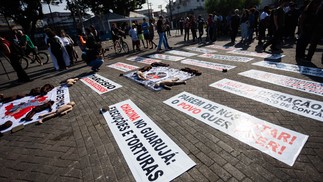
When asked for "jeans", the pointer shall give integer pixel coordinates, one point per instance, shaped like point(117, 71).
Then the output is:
point(96, 63)
point(161, 40)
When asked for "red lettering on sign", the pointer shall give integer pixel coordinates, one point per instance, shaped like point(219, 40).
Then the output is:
point(189, 107)
point(94, 84)
point(130, 112)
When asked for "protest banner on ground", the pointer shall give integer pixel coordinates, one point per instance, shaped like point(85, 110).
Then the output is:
point(166, 57)
point(181, 53)
point(205, 64)
point(99, 83)
point(286, 81)
point(224, 48)
point(150, 154)
point(291, 67)
point(226, 58)
point(294, 104)
point(16, 110)
point(202, 50)
point(158, 74)
point(281, 143)
point(256, 54)
point(123, 66)
point(142, 60)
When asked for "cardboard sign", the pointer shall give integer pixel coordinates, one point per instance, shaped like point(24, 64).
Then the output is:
point(99, 83)
point(202, 50)
point(286, 81)
point(181, 53)
point(123, 66)
point(150, 154)
point(166, 57)
point(291, 67)
point(142, 60)
point(281, 143)
point(224, 48)
point(205, 64)
point(226, 58)
point(256, 54)
point(158, 74)
point(16, 110)
point(294, 104)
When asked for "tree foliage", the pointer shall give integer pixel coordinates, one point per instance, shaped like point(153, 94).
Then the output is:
point(122, 7)
point(225, 7)
point(24, 12)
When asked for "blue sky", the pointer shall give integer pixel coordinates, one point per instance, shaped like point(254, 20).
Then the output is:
point(61, 7)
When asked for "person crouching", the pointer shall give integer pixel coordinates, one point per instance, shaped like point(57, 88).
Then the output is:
point(93, 57)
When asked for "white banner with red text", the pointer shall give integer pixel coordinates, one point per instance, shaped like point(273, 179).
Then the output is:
point(281, 143)
point(142, 60)
point(150, 154)
point(99, 83)
point(16, 110)
point(123, 66)
point(291, 103)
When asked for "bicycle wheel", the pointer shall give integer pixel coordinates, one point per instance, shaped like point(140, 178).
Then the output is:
point(24, 63)
point(125, 47)
point(118, 47)
point(43, 57)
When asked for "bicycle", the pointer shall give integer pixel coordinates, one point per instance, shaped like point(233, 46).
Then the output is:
point(120, 45)
point(40, 57)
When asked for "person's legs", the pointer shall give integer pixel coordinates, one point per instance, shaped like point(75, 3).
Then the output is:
point(95, 64)
point(161, 38)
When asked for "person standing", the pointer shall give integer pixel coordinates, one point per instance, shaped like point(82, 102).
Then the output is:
point(145, 28)
point(200, 22)
point(68, 44)
point(264, 21)
point(279, 24)
point(235, 22)
point(161, 33)
point(181, 25)
point(187, 26)
point(151, 34)
point(13, 52)
point(193, 27)
point(244, 25)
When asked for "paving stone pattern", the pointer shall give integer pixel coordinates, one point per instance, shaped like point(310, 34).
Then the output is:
point(80, 147)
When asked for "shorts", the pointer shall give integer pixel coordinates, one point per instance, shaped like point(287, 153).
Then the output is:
point(140, 36)
point(146, 36)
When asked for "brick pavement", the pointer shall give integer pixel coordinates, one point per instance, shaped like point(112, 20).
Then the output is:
point(80, 146)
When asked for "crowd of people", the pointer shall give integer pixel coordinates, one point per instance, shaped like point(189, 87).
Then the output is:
point(271, 26)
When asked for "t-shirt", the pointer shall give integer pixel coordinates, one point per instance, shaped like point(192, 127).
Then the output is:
point(133, 34)
point(145, 27)
point(24, 39)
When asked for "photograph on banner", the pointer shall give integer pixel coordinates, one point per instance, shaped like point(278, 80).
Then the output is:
point(166, 57)
point(157, 75)
point(224, 48)
point(202, 50)
point(143, 60)
point(123, 66)
point(280, 143)
point(318, 72)
point(257, 54)
point(99, 83)
point(150, 154)
point(209, 65)
point(20, 111)
point(286, 81)
point(226, 58)
point(298, 105)
point(181, 53)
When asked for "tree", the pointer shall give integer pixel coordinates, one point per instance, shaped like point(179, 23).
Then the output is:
point(225, 7)
point(122, 7)
point(24, 12)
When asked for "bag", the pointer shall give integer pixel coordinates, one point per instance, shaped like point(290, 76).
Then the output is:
point(5, 47)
